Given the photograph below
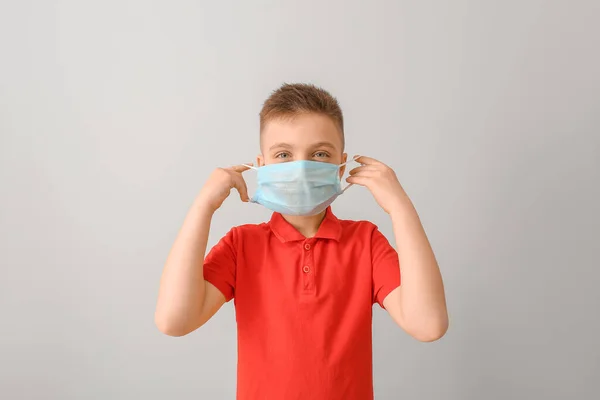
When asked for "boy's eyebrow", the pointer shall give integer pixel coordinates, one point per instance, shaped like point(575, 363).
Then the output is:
point(289, 146)
point(280, 145)
point(324, 144)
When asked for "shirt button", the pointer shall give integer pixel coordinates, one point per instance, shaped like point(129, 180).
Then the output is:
point(306, 269)
point(307, 246)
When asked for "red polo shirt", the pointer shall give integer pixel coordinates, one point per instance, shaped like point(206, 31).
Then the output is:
point(304, 306)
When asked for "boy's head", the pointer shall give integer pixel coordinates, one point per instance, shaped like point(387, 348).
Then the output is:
point(301, 122)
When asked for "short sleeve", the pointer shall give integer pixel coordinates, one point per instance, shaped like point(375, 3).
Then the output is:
point(220, 265)
point(386, 267)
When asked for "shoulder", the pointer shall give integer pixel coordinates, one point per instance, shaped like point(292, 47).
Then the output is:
point(360, 224)
point(360, 229)
point(255, 231)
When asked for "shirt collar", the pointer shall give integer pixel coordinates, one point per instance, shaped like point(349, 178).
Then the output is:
point(330, 228)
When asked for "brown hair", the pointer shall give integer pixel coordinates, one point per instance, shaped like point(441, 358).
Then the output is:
point(299, 98)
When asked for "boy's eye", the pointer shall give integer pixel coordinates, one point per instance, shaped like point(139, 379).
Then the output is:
point(321, 154)
point(282, 155)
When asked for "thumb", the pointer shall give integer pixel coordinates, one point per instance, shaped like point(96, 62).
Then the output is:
point(240, 186)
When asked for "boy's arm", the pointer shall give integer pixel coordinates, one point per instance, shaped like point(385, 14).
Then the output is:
point(185, 300)
point(418, 305)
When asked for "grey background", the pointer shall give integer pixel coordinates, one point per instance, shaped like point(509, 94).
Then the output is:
point(113, 113)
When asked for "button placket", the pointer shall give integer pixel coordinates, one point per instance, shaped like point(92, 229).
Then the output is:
point(308, 270)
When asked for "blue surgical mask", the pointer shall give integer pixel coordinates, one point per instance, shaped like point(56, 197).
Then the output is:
point(298, 187)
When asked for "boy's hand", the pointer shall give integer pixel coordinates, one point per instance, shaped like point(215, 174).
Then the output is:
point(219, 185)
point(381, 180)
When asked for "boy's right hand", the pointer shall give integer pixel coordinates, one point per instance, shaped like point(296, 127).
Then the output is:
point(219, 185)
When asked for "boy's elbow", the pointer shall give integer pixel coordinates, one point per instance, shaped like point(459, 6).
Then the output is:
point(171, 328)
point(171, 331)
point(430, 336)
point(432, 331)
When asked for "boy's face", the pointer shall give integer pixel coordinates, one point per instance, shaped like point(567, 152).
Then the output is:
point(311, 137)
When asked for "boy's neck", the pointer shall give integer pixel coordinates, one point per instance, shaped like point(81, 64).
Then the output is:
point(307, 226)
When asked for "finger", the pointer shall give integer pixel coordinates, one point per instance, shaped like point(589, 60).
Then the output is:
point(358, 180)
point(366, 174)
point(367, 160)
point(241, 168)
point(362, 169)
point(240, 185)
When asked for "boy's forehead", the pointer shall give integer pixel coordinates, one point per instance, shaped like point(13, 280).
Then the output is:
point(301, 130)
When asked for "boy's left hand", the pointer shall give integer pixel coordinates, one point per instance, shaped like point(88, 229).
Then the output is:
point(381, 180)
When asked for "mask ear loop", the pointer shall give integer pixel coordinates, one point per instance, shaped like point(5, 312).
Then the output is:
point(341, 165)
point(251, 167)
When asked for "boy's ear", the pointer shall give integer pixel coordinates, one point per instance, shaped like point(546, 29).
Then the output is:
point(344, 160)
point(260, 161)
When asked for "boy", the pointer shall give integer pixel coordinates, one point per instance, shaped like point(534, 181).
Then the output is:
point(305, 282)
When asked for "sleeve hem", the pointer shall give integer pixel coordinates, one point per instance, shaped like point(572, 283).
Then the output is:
point(221, 285)
point(383, 293)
